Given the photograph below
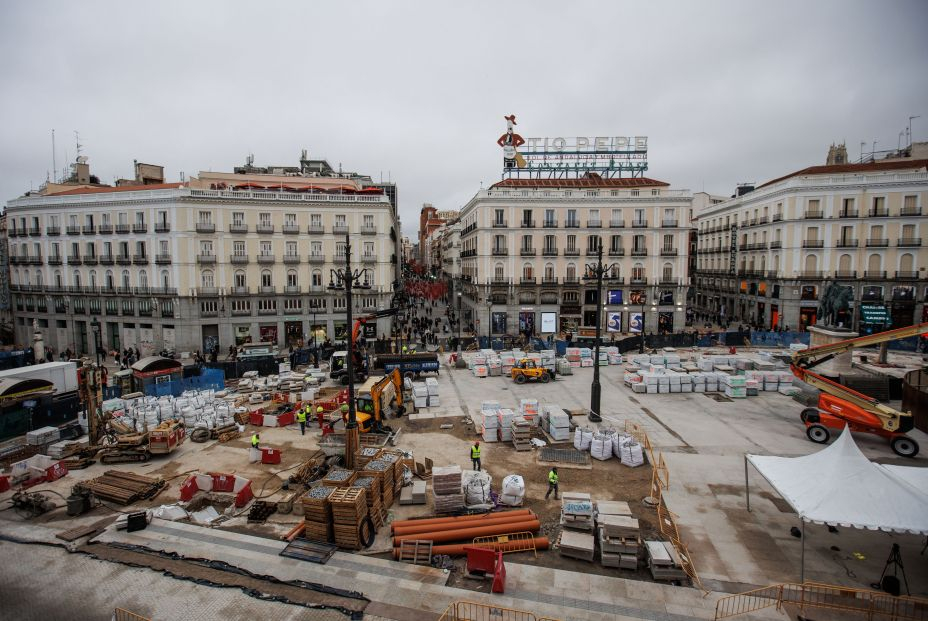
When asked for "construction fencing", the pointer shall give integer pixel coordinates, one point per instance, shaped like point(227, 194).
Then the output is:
point(475, 611)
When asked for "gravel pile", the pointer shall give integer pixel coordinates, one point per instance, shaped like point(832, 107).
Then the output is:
point(377, 465)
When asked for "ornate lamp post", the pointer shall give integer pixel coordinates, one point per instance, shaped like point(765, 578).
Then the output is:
point(347, 280)
point(596, 272)
point(459, 364)
point(489, 322)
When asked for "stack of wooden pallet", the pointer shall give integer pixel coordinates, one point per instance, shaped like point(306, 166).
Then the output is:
point(521, 434)
point(364, 455)
point(619, 541)
point(577, 511)
point(374, 503)
point(317, 513)
point(383, 472)
point(396, 457)
point(349, 508)
point(340, 477)
point(446, 489)
point(124, 487)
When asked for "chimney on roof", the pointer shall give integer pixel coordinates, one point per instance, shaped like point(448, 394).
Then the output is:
point(744, 188)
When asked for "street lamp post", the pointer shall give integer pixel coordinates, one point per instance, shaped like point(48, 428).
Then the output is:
point(347, 280)
point(95, 327)
point(489, 322)
point(596, 272)
point(459, 363)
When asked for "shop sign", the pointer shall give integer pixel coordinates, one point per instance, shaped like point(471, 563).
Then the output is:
point(570, 310)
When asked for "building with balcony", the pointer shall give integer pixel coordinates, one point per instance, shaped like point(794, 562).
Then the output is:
point(220, 259)
point(765, 256)
point(525, 244)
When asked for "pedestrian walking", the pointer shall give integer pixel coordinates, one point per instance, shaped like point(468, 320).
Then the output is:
point(475, 456)
point(301, 419)
point(552, 483)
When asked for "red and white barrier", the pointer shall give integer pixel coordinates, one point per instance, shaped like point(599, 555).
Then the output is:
point(240, 487)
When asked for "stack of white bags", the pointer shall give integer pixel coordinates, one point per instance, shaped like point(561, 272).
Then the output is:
point(513, 491)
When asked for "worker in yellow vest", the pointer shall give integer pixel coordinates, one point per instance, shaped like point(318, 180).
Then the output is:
point(475, 455)
point(552, 483)
point(254, 440)
point(254, 454)
point(301, 419)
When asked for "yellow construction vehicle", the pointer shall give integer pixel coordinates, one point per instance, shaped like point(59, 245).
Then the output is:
point(526, 370)
point(376, 397)
point(839, 406)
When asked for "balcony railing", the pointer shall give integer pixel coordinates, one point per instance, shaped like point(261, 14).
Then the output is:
point(53, 230)
point(763, 220)
point(639, 252)
point(549, 280)
point(617, 252)
point(669, 223)
point(206, 259)
point(500, 252)
point(316, 257)
point(639, 224)
point(906, 275)
point(499, 281)
point(123, 259)
point(811, 274)
point(163, 259)
point(572, 252)
point(35, 231)
point(777, 217)
point(668, 280)
point(776, 244)
point(878, 213)
point(527, 224)
point(291, 289)
point(267, 290)
point(875, 274)
point(122, 229)
point(549, 252)
point(90, 260)
point(107, 259)
point(594, 224)
point(572, 224)
point(571, 281)
point(848, 213)
point(238, 227)
point(162, 227)
point(638, 280)
point(845, 274)
point(291, 229)
point(315, 229)
point(368, 258)
point(340, 229)
point(910, 211)
point(527, 280)
point(527, 252)
point(813, 243)
point(846, 243)
point(208, 292)
point(140, 259)
point(908, 242)
point(206, 227)
point(74, 260)
point(550, 224)
point(291, 259)
point(54, 259)
point(615, 280)
point(668, 252)
point(139, 227)
point(264, 228)
point(877, 243)
point(74, 230)
point(239, 291)
point(617, 224)
point(266, 259)
point(105, 229)
point(813, 214)
point(500, 224)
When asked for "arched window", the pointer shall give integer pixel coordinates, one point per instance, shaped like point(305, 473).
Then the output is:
point(498, 273)
point(125, 279)
point(763, 263)
point(667, 271)
point(240, 280)
point(906, 263)
point(615, 271)
point(38, 278)
point(549, 271)
point(143, 279)
point(267, 280)
point(293, 281)
point(571, 272)
point(58, 281)
point(317, 278)
point(874, 263)
point(93, 278)
point(77, 279)
point(527, 271)
point(775, 264)
point(844, 263)
point(206, 279)
point(811, 264)
point(165, 279)
point(109, 279)
point(638, 271)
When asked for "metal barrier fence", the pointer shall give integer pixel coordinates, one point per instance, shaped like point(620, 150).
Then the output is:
point(870, 605)
point(474, 611)
point(209, 379)
point(121, 614)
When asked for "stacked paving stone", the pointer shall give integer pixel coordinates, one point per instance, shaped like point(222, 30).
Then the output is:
point(446, 489)
point(577, 511)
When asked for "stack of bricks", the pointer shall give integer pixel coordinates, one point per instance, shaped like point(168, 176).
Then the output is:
point(447, 496)
point(317, 513)
point(349, 508)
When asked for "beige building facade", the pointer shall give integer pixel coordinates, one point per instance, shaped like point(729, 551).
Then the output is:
point(767, 256)
point(525, 245)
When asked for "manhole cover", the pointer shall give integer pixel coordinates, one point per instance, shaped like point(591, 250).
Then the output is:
point(564, 456)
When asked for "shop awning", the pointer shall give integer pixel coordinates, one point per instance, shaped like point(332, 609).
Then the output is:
point(875, 313)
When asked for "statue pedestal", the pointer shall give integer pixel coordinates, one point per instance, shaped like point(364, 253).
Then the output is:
point(826, 335)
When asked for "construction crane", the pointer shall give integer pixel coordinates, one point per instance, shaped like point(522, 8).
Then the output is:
point(840, 406)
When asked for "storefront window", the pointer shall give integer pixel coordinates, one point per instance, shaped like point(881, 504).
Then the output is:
point(242, 335)
point(268, 334)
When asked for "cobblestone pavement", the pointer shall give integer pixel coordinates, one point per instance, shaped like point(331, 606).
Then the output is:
point(42, 583)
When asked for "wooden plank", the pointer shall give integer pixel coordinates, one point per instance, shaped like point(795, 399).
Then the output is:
point(88, 529)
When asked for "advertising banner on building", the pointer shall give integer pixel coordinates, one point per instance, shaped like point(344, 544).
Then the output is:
point(665, 322)
point(635, 322)
point(527, 322)
point(666, 297)
point(637, 296)
point(499, 323)
point(242, 335)
point(614, 297)
point(548, 322)
point(614, 321)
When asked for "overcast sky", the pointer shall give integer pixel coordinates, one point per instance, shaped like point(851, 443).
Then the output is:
point(726, 91)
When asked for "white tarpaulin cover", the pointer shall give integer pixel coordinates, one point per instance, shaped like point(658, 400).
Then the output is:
point(839, 485)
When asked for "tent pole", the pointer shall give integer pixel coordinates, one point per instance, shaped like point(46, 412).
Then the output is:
point(802, 558)
point(747, 489)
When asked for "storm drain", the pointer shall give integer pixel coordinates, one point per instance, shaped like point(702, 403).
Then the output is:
point(564, 456)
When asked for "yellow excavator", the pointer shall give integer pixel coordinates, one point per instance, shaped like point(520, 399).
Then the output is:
point(376, 397)
point(839, 406)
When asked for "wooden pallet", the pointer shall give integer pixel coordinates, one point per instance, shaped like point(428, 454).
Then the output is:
point(124, 487)
point(416, 552)
point(86, 530)
point(311, 551)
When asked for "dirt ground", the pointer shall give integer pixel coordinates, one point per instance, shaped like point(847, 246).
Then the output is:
point(605, 480)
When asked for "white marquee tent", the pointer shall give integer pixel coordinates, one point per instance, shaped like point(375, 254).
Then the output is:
point(838, 485)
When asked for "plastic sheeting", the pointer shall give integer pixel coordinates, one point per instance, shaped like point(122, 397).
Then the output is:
point(839, 485)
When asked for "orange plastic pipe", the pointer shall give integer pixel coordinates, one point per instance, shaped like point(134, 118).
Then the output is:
point(428, 528)
point(467, 534)
point(457, 549)
point(462, 518)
